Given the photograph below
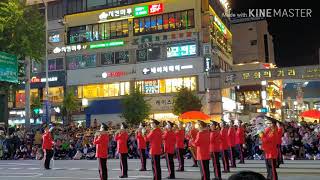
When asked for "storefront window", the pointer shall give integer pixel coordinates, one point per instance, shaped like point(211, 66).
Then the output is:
point(55, 94)
point(165, 22)
point(149, 54)
point(55, 64)
point(97, 32)
point(120, 57)
point(81, 61)
point(103, 90)
point(166, 85)
point(21, 97)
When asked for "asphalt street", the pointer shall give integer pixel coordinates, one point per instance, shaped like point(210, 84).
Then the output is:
point(83, 169)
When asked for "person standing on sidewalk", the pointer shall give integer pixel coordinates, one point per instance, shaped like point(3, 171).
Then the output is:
point(47, 143)
point(122, 146)
point(101, 140)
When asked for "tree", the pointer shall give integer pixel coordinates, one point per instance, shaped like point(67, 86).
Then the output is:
point(35, 107)
point(135, 108)
point(186, 100)
point(70, 104)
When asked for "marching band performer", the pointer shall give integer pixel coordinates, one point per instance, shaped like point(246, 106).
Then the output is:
point(269, 146)
point(155, 139)
point(180, 134)
point(140, 135)
point(215, 141)
point(279, 141)
point(232, 143)
point(169, 140)
point(224, 147)
point(101, 140)
point(47, 143)
point(122, 139)
point(240, 140)
point(192, 136)
point(202, 143)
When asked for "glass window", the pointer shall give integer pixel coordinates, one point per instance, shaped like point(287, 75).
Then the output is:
point(55, 94)
point(122, 57)
point(147, 25)
point(107, 58)
point(159, 22)
point(154, 53)
point(190, 18)
point(142, 55)
point(36, 67)
point(73, 62)
point(153, 23)
point(119, 29)
point(55, 64)
point(165, 22)
point(96, 35)
point(103, 90)
point(95, 4)
point(172, 21)
point(141, 25)
point(136, 26)
point(107, 31)
point(113, 29)
point(88, 61)
point(125, 28)
point(88, 34)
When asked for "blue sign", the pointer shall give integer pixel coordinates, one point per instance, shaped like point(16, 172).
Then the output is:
point(264, 110)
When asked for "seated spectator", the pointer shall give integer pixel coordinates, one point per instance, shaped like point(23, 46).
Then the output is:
point(72, 151)
point(78, 155)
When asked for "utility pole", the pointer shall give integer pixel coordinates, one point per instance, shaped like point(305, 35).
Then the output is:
point(27, 91)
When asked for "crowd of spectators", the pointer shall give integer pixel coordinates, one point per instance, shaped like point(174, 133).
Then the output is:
point(299, 141)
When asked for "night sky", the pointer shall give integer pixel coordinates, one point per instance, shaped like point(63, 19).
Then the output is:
point(296, 40)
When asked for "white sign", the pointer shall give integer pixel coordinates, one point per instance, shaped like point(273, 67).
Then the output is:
point(165, 69)
point(161, 103)
point(35, 79)
point(122, 13)
point(78, 47)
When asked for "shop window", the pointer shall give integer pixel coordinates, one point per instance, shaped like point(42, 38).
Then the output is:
point(81, 61)
point(96, 35)
point(103, 90)
point(55, 64)
point(107, 58)
point(120, 57)
point(55, 94)
point(148, 54)
point(95, 4)
point(36, 67)
point(165, 22)
point(21, 97)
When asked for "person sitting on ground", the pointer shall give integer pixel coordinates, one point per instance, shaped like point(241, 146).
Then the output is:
point(247, 175)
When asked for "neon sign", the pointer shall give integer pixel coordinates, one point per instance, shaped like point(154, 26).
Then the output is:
point(181, 50)
point(164, 69)
point(35, 79)
point(113, 74)
point(107, 44)
point(148, 10)
point(66, 49)
point(155, 8)
point(115, 14)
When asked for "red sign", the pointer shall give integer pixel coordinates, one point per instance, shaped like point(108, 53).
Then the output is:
point(155, 8)
point(35, 80)
point(113, 74)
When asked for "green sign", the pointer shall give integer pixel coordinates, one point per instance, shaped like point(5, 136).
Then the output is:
point(140, 11)
point(107, 44)
point(8, 67)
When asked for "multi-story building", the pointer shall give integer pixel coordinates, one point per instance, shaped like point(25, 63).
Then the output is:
point(108, 47)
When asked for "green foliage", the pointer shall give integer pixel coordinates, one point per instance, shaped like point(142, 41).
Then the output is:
point(70, 104)
point(35, 107)
point(22, 30)
point(186, 100)
point(135, 108)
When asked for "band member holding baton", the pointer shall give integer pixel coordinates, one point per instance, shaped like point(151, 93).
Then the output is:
point(155, 139)
point(122, 147)
point(101, 140)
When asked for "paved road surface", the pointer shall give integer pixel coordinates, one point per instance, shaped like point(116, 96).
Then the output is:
point(83, 169)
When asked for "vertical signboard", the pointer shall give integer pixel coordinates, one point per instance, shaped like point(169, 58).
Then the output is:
point(8, 68)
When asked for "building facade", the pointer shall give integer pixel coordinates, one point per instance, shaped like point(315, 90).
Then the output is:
point(107, 48)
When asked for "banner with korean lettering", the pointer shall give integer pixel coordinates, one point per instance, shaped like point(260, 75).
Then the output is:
point(230, 79)
point(8, 68)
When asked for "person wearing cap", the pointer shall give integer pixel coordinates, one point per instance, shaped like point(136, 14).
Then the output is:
point(155, 139)
point(121, 138)
point(232, 143)
point(240, 140)
point(47, 143)
point(269, 146)
point(169, 141)
point(180, 136)
point(215, 141)
point(191, 136)
point(202, 143)
point(279, 141)
point(101, 140)
point(141, 140)
point(224, 146)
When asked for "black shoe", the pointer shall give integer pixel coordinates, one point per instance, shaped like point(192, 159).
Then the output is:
point(170, 177)
point(142, 170)
point(180, 170)
point(123, 176)
point(226, 171)
point(47, 168)
point(195, 165)
point(241, 162)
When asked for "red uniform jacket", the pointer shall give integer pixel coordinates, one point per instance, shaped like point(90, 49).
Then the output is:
point(269, 143)
point(141, 141)
point(191, 136)
point(122, 140)
point(224, 137)
point(180, 139)
point(240, 136)
point(155, 139)
point(169, 140)
point(215, 141)
point(202, 143)
point(47, 141)
point(101, 143)
point(279, 135)
point(231, 137)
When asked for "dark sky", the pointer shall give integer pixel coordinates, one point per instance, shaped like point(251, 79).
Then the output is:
point(296, 40)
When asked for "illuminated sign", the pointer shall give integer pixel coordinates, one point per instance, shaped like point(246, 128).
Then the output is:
point(225, 4)
point(35, 79)
point(155, 9)
point(113, 74)
point(107, 44)
point(181, 50)
point(164, 69)
point(220, 25)
point(207, 64)
point(148, 10)
point(66, 49)
point(115, 14)
point(54, 37)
